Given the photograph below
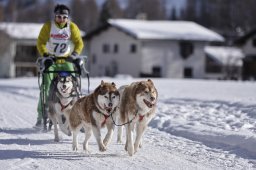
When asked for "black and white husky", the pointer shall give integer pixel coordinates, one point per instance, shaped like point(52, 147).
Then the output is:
point(62, 96)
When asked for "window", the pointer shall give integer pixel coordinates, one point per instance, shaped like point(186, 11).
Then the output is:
point(186, 49)
point(116, 48)
point(156, 71)
point(25, 58)
point(188, 72)
point(254, 42)
point(105, 48)
point(212, 66)
point(26, 53)
point(94, 59)
point(133, 48)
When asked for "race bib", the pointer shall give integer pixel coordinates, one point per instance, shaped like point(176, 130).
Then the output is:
point(59, 43)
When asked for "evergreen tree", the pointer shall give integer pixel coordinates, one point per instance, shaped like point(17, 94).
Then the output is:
point(190, 12)
point(85, 13)
point(173, 15)
point(11, 10)
point(153, 9)
point(110, 9)
point(1, 13)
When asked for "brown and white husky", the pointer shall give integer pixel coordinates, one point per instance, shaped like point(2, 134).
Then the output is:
point(93, 112)
point(137, 108)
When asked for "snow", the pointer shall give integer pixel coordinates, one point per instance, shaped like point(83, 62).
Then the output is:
point(226, 55)
point(205, 125)
point(21, 30)
point(24, 30)
point(175, 30)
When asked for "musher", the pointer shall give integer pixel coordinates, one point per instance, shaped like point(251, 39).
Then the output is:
point(60, 38)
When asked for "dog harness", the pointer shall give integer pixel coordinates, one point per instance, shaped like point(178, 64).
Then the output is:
point(141, 117)
point(64, 106)
point(106, 117)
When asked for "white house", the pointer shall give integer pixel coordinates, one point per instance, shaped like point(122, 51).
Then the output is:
point(141, 48)
point(20, 54)
point(248, 45)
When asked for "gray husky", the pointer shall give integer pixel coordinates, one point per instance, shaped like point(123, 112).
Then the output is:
point(62, 95)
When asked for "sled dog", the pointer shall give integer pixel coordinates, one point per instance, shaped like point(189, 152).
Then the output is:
point(62, 96)
point(136, 108)
point(93, 112)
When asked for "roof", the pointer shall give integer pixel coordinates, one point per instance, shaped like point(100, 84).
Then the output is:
point(21, 30)
point(162, 30)
point(242, 40)
point(225, 55)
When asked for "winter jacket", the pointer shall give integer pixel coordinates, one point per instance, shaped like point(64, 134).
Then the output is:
point(45, 35)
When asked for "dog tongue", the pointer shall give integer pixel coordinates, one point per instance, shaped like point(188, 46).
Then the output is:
point(149, 104)
point(109, 109)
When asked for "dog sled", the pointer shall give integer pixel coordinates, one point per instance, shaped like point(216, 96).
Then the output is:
point(44, 63)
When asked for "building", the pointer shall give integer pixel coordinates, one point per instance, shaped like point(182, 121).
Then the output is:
point(140, 48)
point(19, 53)
point(248, 45)
point(224, 63)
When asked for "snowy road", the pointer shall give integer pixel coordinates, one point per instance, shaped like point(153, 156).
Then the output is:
point(199, 125)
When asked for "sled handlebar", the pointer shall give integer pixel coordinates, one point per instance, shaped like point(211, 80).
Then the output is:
point(45, 62)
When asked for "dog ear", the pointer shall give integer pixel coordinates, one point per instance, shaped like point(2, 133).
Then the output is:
point(102, 83)
point(113, 84)
point(150, 81)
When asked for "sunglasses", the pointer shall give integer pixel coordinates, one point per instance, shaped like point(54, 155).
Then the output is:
point(61, 16)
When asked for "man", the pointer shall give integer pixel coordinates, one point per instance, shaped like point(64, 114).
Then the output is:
point(60, 38)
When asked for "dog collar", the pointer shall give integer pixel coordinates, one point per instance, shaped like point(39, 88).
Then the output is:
point(106, 117)
point(141, 117)
point(64, 106)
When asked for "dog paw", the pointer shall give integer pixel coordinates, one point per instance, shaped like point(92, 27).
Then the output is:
point(105, 142)
point(102, 148)
point(125, 148)
point(85, 147)
point(56, 139)
point(135, 149)
point(87, 152)
point(119, 141)
point(130, 150)
point(74, 147)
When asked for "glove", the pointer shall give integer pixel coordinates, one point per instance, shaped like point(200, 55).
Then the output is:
point(73, 55)
point(46, 55)
point(48, 62)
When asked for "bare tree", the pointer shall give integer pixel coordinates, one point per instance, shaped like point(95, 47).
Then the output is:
point(153, 9)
